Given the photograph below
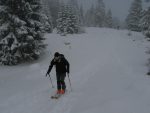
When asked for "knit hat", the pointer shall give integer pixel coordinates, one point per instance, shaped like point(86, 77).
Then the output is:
point(56, 54)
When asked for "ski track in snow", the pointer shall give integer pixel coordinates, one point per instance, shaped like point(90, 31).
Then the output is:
point(100, 62)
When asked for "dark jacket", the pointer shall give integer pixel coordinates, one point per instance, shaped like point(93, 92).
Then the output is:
point(62, 65)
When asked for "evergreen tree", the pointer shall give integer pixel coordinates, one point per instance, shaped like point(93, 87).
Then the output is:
point(20, 31)
point(145, 22)
point(100, 13)
point(67, 21)
point(134, 16)
point(108, 20)
point(78, 12)
point(53, 7)
point(47, 18)
point(74, 5)
point(47, 23)
point(61, 21)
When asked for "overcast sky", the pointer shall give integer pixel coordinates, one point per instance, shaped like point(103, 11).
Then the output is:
point(119, 8)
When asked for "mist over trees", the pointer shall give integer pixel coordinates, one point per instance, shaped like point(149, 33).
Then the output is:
point(98, 16)
point(95, 16)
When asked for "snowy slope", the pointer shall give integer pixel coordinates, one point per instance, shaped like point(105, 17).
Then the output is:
point(107, 73)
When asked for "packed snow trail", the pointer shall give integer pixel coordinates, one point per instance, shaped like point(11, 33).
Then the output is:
point(107, 75)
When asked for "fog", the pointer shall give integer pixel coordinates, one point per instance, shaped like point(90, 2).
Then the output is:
point(119, 8)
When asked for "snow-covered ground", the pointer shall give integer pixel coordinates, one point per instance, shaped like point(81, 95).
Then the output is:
point(107, 72)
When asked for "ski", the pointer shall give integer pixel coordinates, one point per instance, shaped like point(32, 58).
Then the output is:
point(56, 96)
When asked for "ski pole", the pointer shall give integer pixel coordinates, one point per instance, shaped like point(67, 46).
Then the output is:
point(69, 82)
point(51, 81)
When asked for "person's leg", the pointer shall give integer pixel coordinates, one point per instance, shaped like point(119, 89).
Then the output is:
point(58, 76)
point(63, 85)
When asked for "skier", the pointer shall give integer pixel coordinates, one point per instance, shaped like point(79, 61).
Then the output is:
point(62, 67)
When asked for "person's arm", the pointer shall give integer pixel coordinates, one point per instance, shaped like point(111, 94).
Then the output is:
point(50, 67)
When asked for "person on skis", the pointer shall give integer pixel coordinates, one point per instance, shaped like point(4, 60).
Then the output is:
point(62, 67)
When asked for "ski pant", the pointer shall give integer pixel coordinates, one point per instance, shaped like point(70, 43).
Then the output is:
point(61, 81)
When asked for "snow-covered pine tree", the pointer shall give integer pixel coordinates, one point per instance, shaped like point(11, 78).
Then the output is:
point(100, 13)
point(53, 8)
point(78, 12)
point(61, 21)
point(108, 19)
point(134, 16)
point(47, 23)
point(67, 22)
point(20, 31)
point(145, 22)
point(47, 18)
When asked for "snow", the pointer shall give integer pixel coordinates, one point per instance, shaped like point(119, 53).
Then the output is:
point(107, 72)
